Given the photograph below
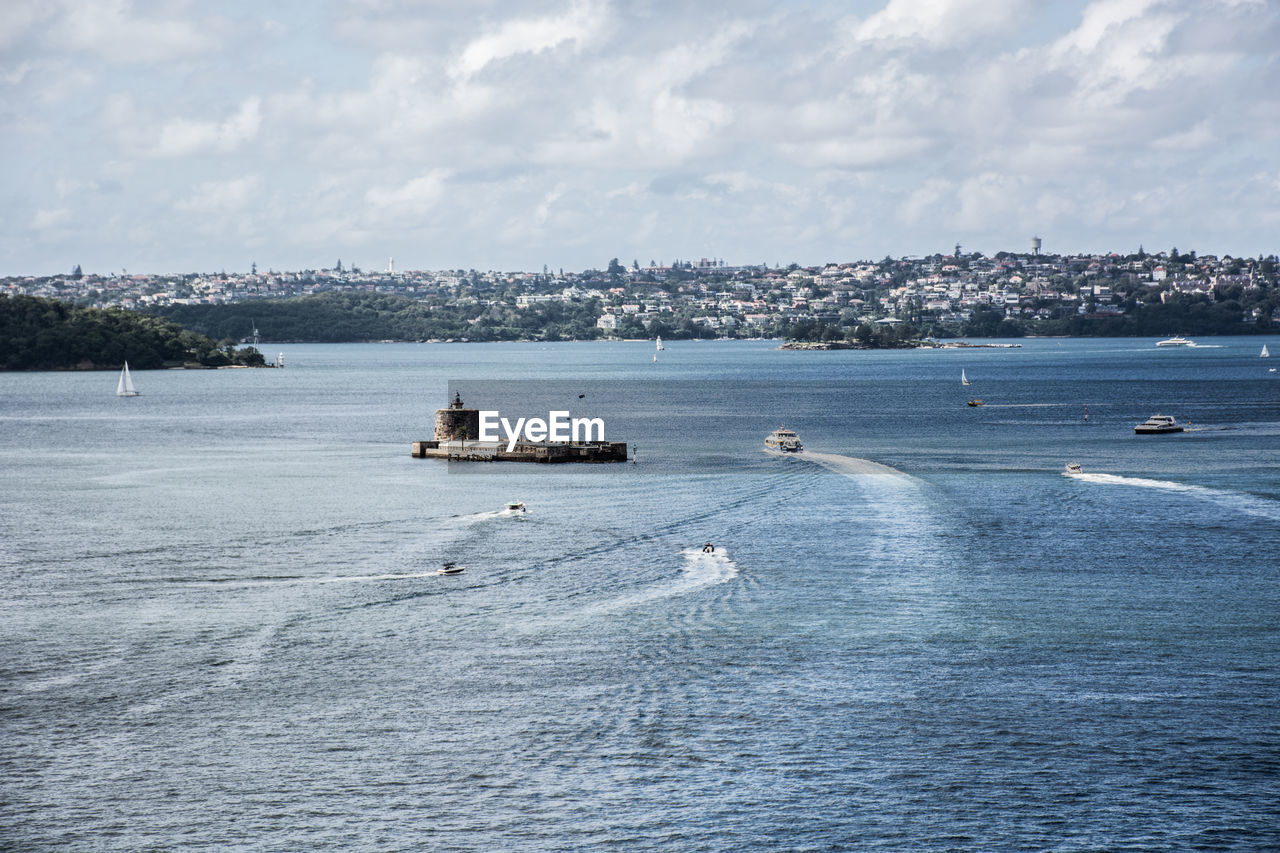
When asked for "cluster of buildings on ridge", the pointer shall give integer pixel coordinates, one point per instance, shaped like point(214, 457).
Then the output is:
point(739, 300)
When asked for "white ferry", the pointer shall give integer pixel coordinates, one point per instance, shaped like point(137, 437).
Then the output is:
point(1176, 341)
point(784, 440)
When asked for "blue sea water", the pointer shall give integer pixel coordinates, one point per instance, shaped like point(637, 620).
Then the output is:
point(222, 628)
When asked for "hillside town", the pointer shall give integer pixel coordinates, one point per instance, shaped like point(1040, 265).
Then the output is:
point(942, 294)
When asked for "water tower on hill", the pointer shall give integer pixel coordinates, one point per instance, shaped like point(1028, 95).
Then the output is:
point(1035, 245)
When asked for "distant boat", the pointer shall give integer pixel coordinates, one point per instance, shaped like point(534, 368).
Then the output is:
point(516, 508)
point(1074, 468)
point(660, 346)
point(977, 401)
point(963, 379)
point(1158, 425)
point(783, 440)
point(1264, 353)
point(451, 569)
point(1176, 341)
point(124, 388)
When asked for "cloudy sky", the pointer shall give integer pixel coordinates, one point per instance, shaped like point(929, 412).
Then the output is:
point(171, 136)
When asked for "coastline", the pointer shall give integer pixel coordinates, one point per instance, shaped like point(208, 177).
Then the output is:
point(838, 345)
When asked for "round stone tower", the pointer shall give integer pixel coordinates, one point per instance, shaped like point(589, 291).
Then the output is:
point(456, 423)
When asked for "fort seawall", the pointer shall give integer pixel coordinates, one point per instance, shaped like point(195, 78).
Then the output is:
point(524, 451)
point(458, 428)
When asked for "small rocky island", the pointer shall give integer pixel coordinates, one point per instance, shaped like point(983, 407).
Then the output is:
point(457, 440)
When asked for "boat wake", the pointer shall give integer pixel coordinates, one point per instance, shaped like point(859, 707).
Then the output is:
point(364, 578)
point(68, 678)
point(296, 580)
point(488, 515)
point(851, 466)
point(699, 571)
point(1249, 504)
point(477, 517)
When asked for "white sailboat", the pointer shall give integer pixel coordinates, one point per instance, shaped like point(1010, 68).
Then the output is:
point(1264, 354)
point(660, 346)
point(124, 388)
point(963, 379)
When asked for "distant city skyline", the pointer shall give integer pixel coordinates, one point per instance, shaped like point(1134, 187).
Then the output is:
point(170, 137)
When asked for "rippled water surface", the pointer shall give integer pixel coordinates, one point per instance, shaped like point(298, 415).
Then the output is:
point(223, 628)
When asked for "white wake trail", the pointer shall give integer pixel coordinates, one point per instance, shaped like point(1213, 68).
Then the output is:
point(700, 570)
point(852, 466)
point(1249, 504)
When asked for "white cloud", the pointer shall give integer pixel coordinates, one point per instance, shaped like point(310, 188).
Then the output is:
point(1100, 21)
point(414, 198)
point(185, 137)
point(19, 17)
point(864, 152)
point(1196, 137)
point(50, 218)
point(221, 197)
point(948, 23)
point(925, 199)
point(583, 22)
point(14, 76)
point(738, 182)
point(642, 113)
point(482, 134)
point(114, 31)
point(543, 211)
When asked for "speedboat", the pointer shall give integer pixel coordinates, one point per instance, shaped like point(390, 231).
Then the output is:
point(1074, 468)
point(1158, 424)
point(451, 569)
point(1176, 341)
point(516, 508)
point(975, 402)
point(783, 440)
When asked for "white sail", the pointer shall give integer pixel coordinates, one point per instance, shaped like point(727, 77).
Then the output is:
point(963, 379)
point(124, 387)
point(660, 346)
point(1265, 354)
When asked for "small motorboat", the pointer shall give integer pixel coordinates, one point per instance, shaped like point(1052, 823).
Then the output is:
point(1074, 468)
point(515, 508)
point(975, 402)
point(451, 569)
point(1158, 425)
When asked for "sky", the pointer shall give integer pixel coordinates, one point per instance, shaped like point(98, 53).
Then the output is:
point(166, 136)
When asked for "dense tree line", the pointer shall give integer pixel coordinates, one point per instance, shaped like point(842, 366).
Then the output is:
point(359, 317)
point(1178, 314)
point(45, 334)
